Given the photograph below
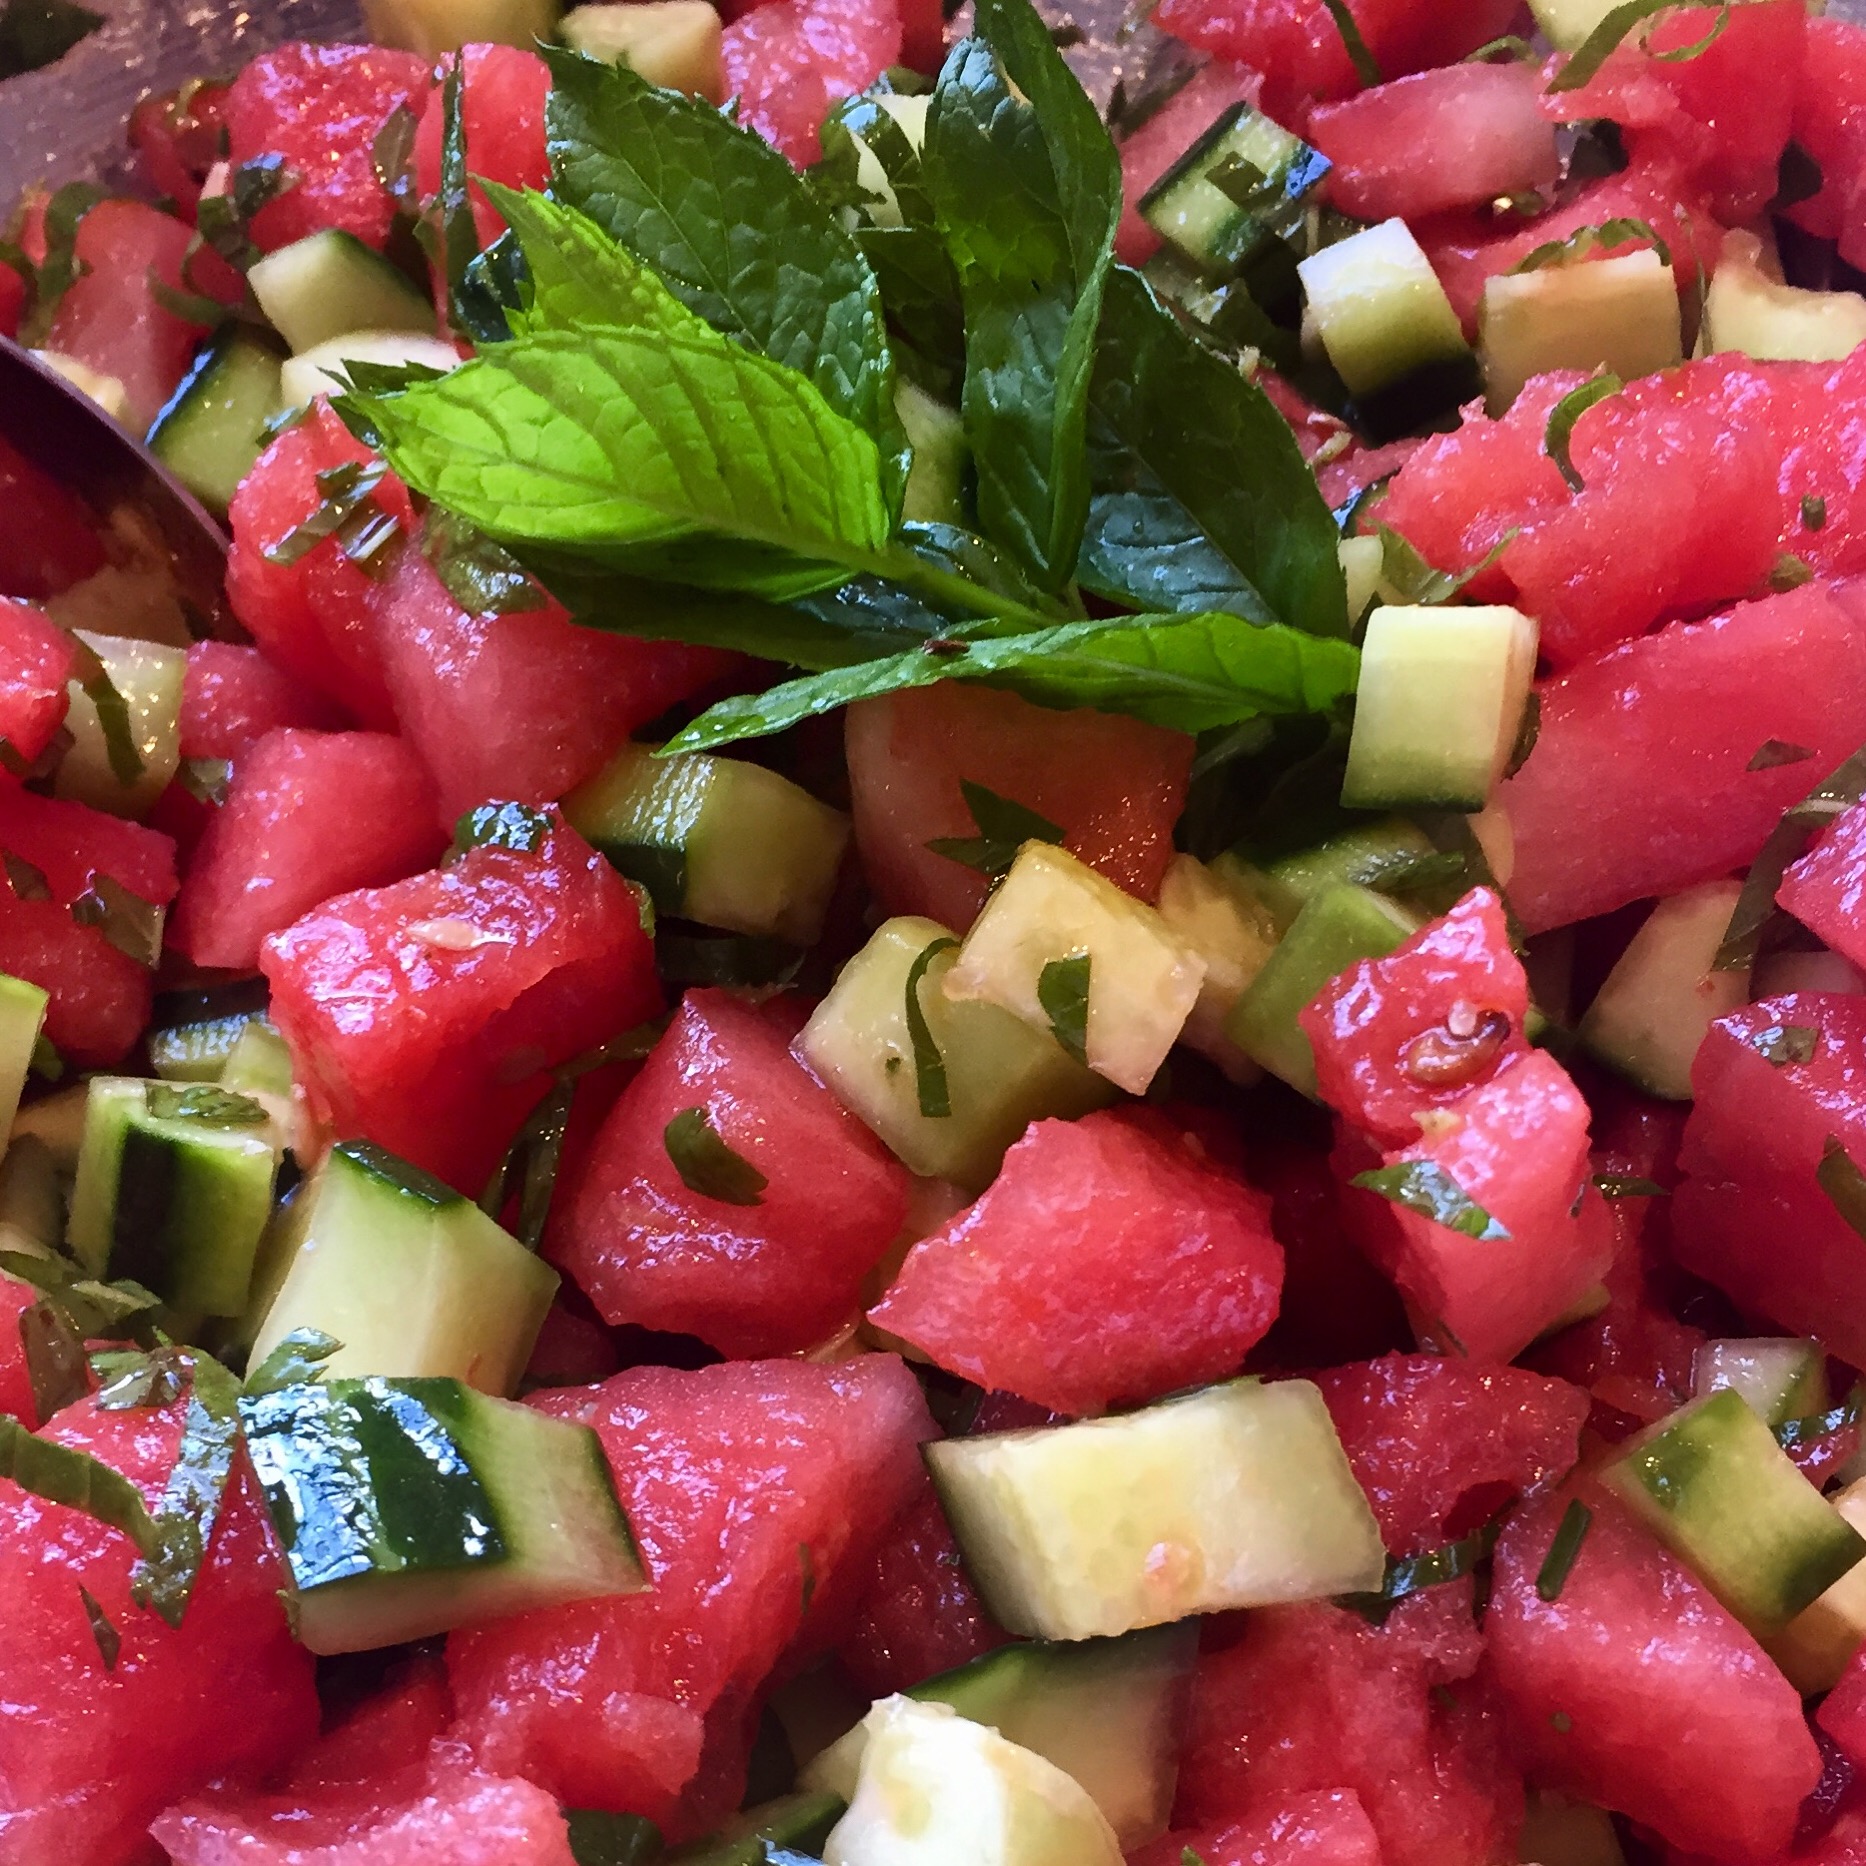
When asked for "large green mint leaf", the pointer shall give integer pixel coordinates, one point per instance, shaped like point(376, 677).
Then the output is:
point(1186, 672)
point(1201, 496)
point(1026, 187)
point(737, 234)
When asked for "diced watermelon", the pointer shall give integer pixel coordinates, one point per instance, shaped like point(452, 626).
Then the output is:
point(1114, 786)
point(1165, 136)
point(1517, 1149)
point(308, 815)
point(177, 139)
point(522, 706)
point(100, 996)
point(1421, 1028)
point(771, 1277)
point(1456, 137)
point(1830, 124)
point(1440, 1444)
point(502, 91)
point(750, 1486)
point(16, 1394)
point(1326, 1828)
point(35, 665)
point(918, 1614)
point(386, 1732)
point(1843, 1712)
point(1314, 1698)
point(233, 696)
point(1823, 890)
point(110, 317)
point(1750, 1153)
point(1640, 784)
point(425, 1015)
point(1635, 1690)
point(321, 108)
point(788, 61)
point(313, 616)
point(448, 1815)
point(48, 540)
point(93, 1751)
point(1101, 1265)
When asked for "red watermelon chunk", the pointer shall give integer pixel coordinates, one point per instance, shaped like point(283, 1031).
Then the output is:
point(321, 108)
point(1424, 1026)
point(788, 61)
point(309, 815)
point(386, 1732)
point(1114, 786)
point(1750, 1216)
point(1456, 137)
point(502, 92)
point(1440, 1444)
point(16, 1394)
point(776, 1276)
point(750, 1486)
point(89, 1753)
point(1165, 136)
point(522, 706)
point(48, 539)
point(1326, 1828)
point(1826, 889)
point(1640, 784)
point(1843, 1712)
point(1636, 1691)
point(1830, 124)
point(425, 1015)
point(176, 139)
point(35, 665)
point(233, 696)
point(1102, 1265)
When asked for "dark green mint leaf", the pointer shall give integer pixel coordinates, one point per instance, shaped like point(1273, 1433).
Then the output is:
point(344, 491)
point(1004, 826)
point(490, 290)
point(36, 33)
point(1417, 581)
point(1602, 239)
point(501, 826)
point(164, 1579)
point(1783, 1044)
point(1423, 1186)
point(1518, 51)
point(1628, 1186)
point(201, 1101)
point(1063, 992)
point(109, 1640)
point(707, 1165)
point(1559, 1562)
point(140, 1380)
point(531, 1163)
point(1409, 1574)
point(63, 1474)
point(392, 156)
point(482, 578)
point(1366, 67)
point(929, 1065)
point(920, 294)
point(1773, 752)
point(458, 240)
point(223, 219)
point(297, 1359)
point(130, 923)
point(1559, 434)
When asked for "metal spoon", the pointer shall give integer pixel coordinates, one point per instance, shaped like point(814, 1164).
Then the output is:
point(61, 429)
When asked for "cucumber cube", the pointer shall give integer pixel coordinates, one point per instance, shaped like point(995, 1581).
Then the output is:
point(1052, 910)
point(320, 369)
point(1567, 23)
point(432, 27)
point(1369, 855)
point(148, 676)
point(1714, 1486)
point(259, 1062)
point(1000, 1074)
point(1439, 708)
point(1817, 1644)
point(213, 427)
point(1747, 310)
point(329, 284)
point(1234, 1496)
point(672, 43)
point(1378, 308)
point(1339, 925)
point(1218, 914)
point(1782, 1378)
point(22, 1017)
point(936, 482)
point(716, 840)
point(412, 1278)
point(197, 1051)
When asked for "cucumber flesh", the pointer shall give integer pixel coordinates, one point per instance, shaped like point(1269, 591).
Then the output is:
point(1819, 1643)
point(1782, 1379)
point(1748, 311)
point(1378, 855)
point(672, 43)
point(1378, 309)
point(197, 1051)
point(434, 27)
point(22, 1017)
point(935, 492)
point(212, 429)
point(319, 370)
point(1567, 23)
point(1214, 911)
point(329, 284)
point(148, 676)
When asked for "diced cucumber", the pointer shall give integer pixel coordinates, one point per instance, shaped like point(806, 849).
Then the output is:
point(673, 43)
point(716, 840)
point(409, 1506)
point(173, 1189)
point(1495, 836)
point(1237, 1495)
point(1439, 707)
point(1218, 915)
point(32, 1201)
point(148, 676)
point(1000, 1073)
point(1662, 995)
point(1107, 1712)
point(1339, 925)
point(1561, 1832)
point(330, 283)
point(1618, 314)
point(1748, 311)
point(212, 429)
point(197, 1051)
point(1363, 565)
point(1053, 912)
point(1713, 1485)
point(935, 492)
point(1382, 854)
point(1245, 181)
point(320, 371)
point(1816, 1645)
point(1567, 23)
point(432, 27)
point(1378, 308)
point(412, 1278)
point(801, 1822)
point(260, 1063)
point(107, 392)
point(936, 1789)
point(22, 1017)
point(1782, 1378)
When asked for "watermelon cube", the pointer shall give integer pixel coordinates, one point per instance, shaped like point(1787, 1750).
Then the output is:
point(767, 1270)
point(1102, 1265)
point(1830, 125)
point(502, 91)
point(1635, 1690)
point(308, 815)
point(1823, 890)
point(16, 1393)
point(1328, 1827)
point(232, 696)
point(426, 1015)
point(751, 1487)
point(35, 664)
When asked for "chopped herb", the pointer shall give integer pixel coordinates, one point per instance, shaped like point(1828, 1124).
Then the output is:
point(1698, 47)
point(1782, 1044)
point(223, 219)
point(1409, 1574)
point(807, 1562)
point(1774, 752)
point(208, 780)
point(532, 1159)
point(55, 1363)
point(113, 713)
point(1425, 1187)
point(929, 1065)
point(1601, 42)
point(707, 1165)
point(1191, 1856)
point(599, 1839)
point(1790, 572)
point(1419, 582)
point(201, 1101)
point(1519, 51)
point(1559, 1562)
point(91, 1308)
point(1602, 238)
point(62, 1474)
point(1004, 826)
point(1526, 734)
point(501, 826)
point(26, 882)
point(392, 156)
point(1559, 434)
point(109, 1640)
point(345, 511)
point(1813, 512)
point(1366, 67)
point(61, 267)
point(1793, 1432)
point(184, 1524)
point(1063, 992)
point(298, 1358)
point(1629, 1186)
point(37, 33)
point(130, 923)
point(136, 1381)
point(1843, 1183)
point(482, 577)
point(455, 243)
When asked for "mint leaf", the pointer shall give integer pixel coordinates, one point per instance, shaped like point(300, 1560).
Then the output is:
point(737, 235)
point(1783, 1044)
point(920, 293)
point(1366, 66)
point(1559, 1562)
point(1423, 1186)
point(108, 1640)
point(500, 826)
point(930, 1087)
point(1595, 49)
point(184, 1525)
point(1063, 992)
point(1004, 826)
point(299, 1357)
point(1584, 240)
point(1557, 436)
point(1026, 194)
point(707, 1164)
point(1192, 463)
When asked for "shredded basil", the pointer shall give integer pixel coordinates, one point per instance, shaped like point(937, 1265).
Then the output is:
point(1519, 51)
point(533, 1159)
point(113, 713)
point(599, 1839)
point(1774, 752)
point(201, 1101)
point(1559, 1562)
point(55, 1363)
point(164, 1579)
point(1418, 582)
point(345, 511)
point(392, 156)
point(223, 219)
point(62, 1474)
point(1843, 1182)
point(1409, 1574)
point(1559, 433)
point(929, 1065)
point(130, 923)
point(1603, 238)
point(1366, 67)
point(1004, 826)
point(1063, 992)
point(1425, 1187)
point(1605, 38)
point(707, 1164)
point(481, 576)
point(1698, 47)
point(61, 267)
point(1782, 1044)
point(297, 1359)
point(109, 1641)
point(26, 882)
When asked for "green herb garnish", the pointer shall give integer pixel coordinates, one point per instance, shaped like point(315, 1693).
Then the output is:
point(501, 826)
point(298, 1358)
point(1425, 1187)
point(1782, 1044)
point(108, 1640)
point(1063, 992)
point(929, 1065)
point(1559, 434)
point(1774, 752)
point(1004, 826)
point(201, 1101)
point(1366, 67)
point(1585, 240)
point(1559, 1562)
point(707, 1164)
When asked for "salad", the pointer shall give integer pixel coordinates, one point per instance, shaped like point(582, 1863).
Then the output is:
point(998, 999)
